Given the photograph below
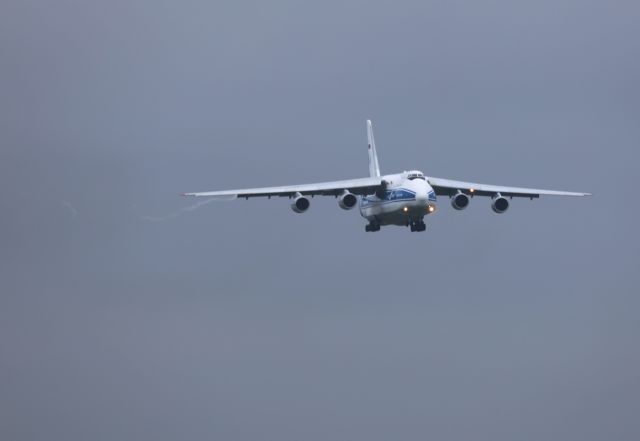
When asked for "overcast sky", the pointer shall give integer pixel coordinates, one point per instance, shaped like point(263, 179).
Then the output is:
point(126, 314)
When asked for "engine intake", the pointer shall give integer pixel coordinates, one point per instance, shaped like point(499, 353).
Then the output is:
point(300, 203)
point(460, 201)
point(347, 200)
point(500, 204)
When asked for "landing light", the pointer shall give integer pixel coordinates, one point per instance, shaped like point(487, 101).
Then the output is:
point(405, 209)
point(471, 190)
point(431, 209)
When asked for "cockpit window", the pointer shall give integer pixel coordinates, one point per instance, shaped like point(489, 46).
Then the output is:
point(413, 176)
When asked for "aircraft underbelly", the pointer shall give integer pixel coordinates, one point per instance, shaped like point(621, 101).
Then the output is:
point(392, 212)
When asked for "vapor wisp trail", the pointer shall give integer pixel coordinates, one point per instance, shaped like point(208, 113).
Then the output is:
point(71, 208)
point(176, 213)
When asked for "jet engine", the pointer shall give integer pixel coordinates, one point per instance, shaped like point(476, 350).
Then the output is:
point(460, 201)
point(300, 203)
point(347, 200)
point(500, 204)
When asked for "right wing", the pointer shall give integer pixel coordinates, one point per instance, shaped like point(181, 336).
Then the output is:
point(450, 187)
point(362, 186)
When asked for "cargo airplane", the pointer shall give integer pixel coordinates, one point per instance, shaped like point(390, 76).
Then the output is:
point(402, 199)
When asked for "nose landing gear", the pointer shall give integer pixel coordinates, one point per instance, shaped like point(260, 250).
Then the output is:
point(417, 225)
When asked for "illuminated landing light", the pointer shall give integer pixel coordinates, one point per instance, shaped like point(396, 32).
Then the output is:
point(471, 190)
point(431, 209)
point(405, 209)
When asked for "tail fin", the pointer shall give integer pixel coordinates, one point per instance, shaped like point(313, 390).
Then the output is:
point(374, 167)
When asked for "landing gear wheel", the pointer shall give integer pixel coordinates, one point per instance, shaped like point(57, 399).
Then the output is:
point(418, 226)
point(372, 227)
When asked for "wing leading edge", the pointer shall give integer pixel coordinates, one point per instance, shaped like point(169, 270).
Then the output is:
point(361, 186)
point(450, 187)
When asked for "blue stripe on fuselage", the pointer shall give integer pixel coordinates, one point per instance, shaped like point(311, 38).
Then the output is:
point(395, 195)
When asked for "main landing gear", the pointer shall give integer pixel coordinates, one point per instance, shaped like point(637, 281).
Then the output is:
point(372, 227)
point(417, 225)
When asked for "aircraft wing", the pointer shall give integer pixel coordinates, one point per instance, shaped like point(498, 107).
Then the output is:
point(449, 187)
point(362, 186)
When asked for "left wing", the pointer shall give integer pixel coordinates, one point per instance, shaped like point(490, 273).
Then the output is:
point(449, 187)
point(362, 186)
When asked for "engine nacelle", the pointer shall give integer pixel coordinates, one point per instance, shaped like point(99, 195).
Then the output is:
point(347, 200)
point(460, 201)
point(500, 204)
point(300, 203)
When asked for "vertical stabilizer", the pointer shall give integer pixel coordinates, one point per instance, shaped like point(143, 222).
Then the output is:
point(374, 167)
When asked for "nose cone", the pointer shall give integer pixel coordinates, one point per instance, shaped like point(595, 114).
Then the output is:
point(422, 195)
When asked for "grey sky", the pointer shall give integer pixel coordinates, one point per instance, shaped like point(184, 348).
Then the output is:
point(242, 320)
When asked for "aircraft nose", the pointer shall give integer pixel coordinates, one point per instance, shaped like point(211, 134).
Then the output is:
point(422, 197)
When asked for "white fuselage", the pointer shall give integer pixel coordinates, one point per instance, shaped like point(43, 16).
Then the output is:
point(408, 198)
